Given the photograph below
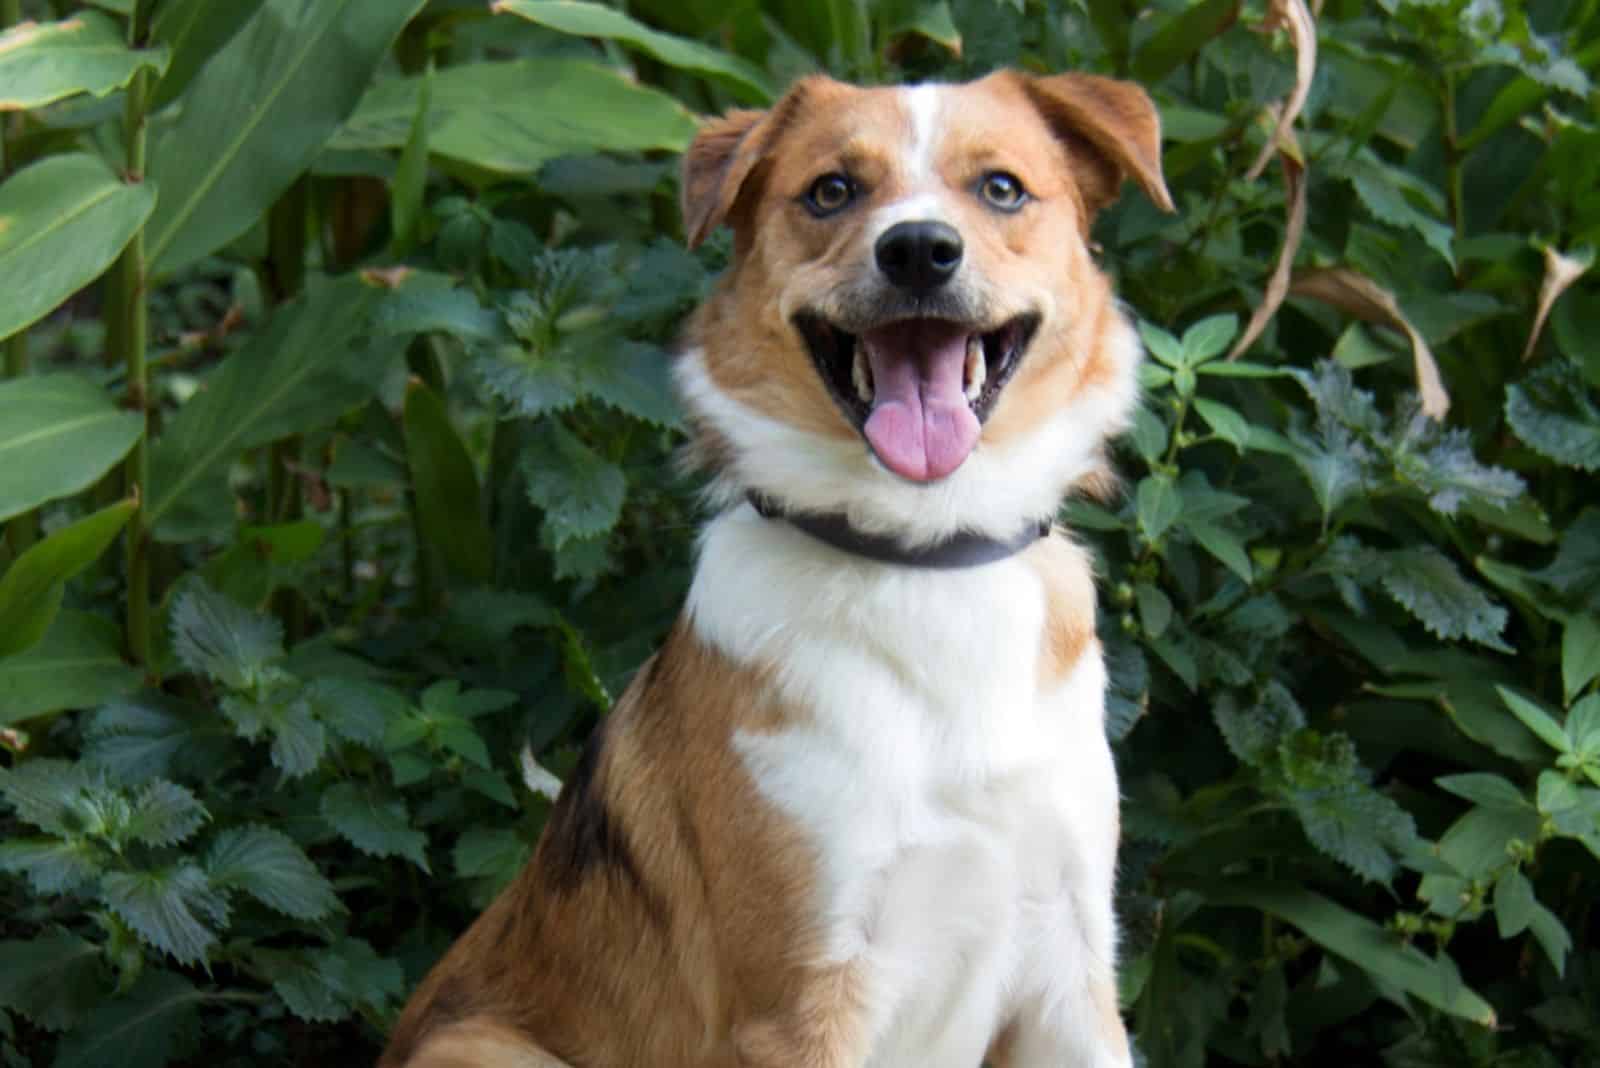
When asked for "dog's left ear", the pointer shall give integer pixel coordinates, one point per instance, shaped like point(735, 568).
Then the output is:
point(715, 169)
point(1112, 131)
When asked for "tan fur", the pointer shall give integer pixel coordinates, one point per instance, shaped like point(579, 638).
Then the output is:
point(662, 920)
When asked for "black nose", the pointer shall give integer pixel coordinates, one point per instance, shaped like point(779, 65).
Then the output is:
point(919, 257)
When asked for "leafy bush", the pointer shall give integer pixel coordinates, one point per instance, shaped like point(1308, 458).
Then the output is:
point(350, 321)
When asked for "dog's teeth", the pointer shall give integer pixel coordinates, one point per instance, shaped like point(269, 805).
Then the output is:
point(861, 374)
point(976, 370)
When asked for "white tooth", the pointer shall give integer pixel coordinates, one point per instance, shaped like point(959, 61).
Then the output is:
point(861, 373)
point(976, 370)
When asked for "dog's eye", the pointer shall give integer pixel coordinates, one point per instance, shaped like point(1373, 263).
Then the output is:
point(1002, 190)
point(829, 194)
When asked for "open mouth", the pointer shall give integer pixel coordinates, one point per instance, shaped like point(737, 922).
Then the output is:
point(918, 389)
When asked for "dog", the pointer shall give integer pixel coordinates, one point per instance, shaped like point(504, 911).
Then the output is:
point(860, 809)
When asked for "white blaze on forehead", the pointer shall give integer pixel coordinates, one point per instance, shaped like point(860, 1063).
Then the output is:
point(923, 104)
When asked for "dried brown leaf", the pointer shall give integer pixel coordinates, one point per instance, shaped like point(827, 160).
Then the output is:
point(1560, 271)
point(1294, 194)
point(1294, 16)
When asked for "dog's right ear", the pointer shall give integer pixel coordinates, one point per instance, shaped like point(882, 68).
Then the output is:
point(725, 153)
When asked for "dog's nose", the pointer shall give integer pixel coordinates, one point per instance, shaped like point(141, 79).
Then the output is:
point(919, 257)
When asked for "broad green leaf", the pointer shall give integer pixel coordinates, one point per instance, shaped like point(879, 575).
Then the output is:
point(195, 30)
point(1580, 653)
point(1536, 719)
point(1224, 422)
point(1485, 788)
point(411, 177)
point(63, 221)
point(313, 362)
point(41, 63)
point(53, 980)
point(1209, 338)
point(216, 637)
point(258, 113)
point(31, 588)
point(163, 814)
point(1155, 610)
point(59, 434)
point(1160, 344)
point(154, 1023)
point(330, 984)
point(421, 308)
point(1225, 545)
point(299, 740)
point(1476, 844)
point(77, 664)
point(53, 865)
point(1583, 726)
point(1552, 935)
point(175, 910)
point(597, 20)
point(1429, 586)
point(449, 503)
point(374, 821)
point(1513, 903)
point(1381, 195)
point(580, 492)
point(270, 867)
point(151, 737)
point(1159, 505)
point(1254, 733)
point(1556, 792)
point(1360, 941)
point(1181, 36)
point(1149, 434)
point(513, 117)
point(1556, 415)
point(931, 19)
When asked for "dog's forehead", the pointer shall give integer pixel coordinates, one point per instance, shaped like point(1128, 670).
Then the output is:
point(911, 129)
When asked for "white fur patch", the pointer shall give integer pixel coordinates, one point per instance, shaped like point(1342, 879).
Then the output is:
point(923, 104)
point(964, 823)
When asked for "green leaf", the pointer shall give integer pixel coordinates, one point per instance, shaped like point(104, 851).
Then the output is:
point(39, 417)
point(492, 854)
point(445, 698)
point(1225, 545)
point(513, 117)
point(53, 980)
point(1342, 815)
point(1580, 654)
point(1428, 585)
point(270, 867)
point(1583, 726)
point(1209, 338)
point(1485, 788)
point(53, 866)
point(1360, 941)
point(1552, 935)
point(1149, 435)
point(457, 736)
point(41, 63)
point(63, 221)
point(195, 30)
point(597, 20)
point(327, 985)
point(1224, 422)
point(633, 378)
point(580, 492)
point(1555, 414)
point(258, 113)
point(355, 709)
point(1254, 734)
point(449, 503)
point(425, 308)
point(174, 910)
point(411, 177)
point(1439, 463)
point(77, 664)
point(216, 637)
point(31, 588)
point(1476, 844)
point(162, 814)
point(154, 1023)
point(311, 364)
point(1155, 610)
point(1159, 505)
point(1536, 719)
point(1180, 36)
point(1575, 572)
point(931, 19)
point(374, 821)
point(153, 737)
point(1382, 196)
point(298, 739)
point(1556, 792)
point(1162, 345)
point(1513, 903)
point(1241, 369)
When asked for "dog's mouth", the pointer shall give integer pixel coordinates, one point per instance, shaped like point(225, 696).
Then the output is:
point(918, 390)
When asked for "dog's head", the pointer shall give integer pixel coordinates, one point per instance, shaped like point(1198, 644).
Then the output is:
point(912, 331)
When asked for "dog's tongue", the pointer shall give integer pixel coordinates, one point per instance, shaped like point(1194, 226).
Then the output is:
point(921, 426)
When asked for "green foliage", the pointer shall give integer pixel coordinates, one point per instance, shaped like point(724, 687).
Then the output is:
point(367, 305)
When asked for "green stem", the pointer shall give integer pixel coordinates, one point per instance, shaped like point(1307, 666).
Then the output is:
point(1454, 194)
point(132, 312)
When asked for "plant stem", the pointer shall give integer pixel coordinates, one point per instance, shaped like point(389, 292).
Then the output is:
point(1454, 194)
point(132, 312)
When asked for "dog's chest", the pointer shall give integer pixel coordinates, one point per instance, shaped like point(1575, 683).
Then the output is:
point(953, 807)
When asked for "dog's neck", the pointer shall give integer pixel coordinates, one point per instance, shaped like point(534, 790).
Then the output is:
point(962, 549)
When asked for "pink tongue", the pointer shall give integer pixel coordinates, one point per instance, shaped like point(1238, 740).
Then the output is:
point(921, 426)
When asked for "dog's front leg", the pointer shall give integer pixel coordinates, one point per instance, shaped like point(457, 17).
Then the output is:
point(821, 1025)
point(1078, 1028)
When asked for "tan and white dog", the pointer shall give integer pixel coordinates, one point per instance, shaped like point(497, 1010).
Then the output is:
point(860, 809)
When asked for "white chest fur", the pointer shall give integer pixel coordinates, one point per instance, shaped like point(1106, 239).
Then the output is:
point(964, 821)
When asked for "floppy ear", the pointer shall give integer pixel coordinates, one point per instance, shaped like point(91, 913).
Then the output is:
point(1112, 132)
point(726, 153)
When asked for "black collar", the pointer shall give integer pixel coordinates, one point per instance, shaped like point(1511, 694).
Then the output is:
point(963, 549)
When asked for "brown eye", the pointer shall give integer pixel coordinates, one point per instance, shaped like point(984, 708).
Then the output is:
point(828, 194)
point(1002, 190)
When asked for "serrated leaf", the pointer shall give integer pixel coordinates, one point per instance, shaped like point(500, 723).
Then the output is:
point(1159, 505)
point(174, 910)
point(634, 379)
point(1484, 788)
point(374, 821)
point(1254, 733)
point(214, 636)
point(1383, 197)
point(1428, 585)
point(154, 1023)
point(357, 710)
point(53, 980)
point(1555, 414)
point(152, 737)
point(53, 865)
point(164, 813)
point(1334, 464)
point(270, 867)
point(580, 492)
point(49, 793)
point(1536, 719)
point(328, 985)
